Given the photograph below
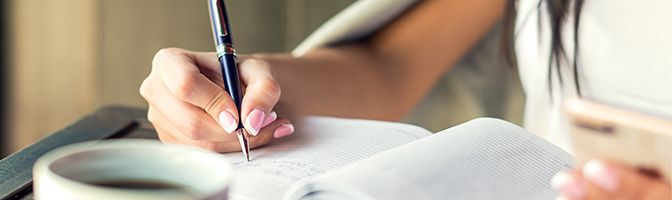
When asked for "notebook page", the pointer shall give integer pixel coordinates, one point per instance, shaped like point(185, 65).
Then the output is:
point(320, 144)
point(481, 159)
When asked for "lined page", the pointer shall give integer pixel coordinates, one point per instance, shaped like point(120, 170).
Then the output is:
point(481, 159)
point(320, 144)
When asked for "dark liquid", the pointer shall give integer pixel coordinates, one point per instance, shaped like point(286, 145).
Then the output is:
point(138, 185)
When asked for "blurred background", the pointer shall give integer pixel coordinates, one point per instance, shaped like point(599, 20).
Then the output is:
point(66, 58)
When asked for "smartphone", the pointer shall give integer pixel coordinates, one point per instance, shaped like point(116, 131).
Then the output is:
point(626, 137)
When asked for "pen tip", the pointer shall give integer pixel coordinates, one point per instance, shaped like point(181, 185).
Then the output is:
point(244, 145)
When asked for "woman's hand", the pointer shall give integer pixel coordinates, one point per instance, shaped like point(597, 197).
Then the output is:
point(188, 105)
point(602, 180)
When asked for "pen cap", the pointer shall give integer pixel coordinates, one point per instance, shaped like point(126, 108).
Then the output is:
point(220, 22)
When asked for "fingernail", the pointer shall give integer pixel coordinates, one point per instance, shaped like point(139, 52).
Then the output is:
point(270, 119)
point(227, 121)
point(254, 121)
point(284, 130)
point(597, 172)
point(568, 185)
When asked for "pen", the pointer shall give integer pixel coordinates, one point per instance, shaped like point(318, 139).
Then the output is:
point(228, 63)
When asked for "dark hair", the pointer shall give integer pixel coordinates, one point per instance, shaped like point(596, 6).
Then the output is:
point(558, 11)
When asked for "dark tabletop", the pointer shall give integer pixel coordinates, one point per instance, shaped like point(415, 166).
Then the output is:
point(107, 123)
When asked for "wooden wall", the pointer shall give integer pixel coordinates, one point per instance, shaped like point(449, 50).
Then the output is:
point(52, 79)
point(70, 57)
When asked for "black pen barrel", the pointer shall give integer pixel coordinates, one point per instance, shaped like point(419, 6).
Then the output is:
point(229, 66)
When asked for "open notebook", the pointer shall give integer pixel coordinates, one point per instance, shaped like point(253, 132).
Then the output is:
point(332, 158)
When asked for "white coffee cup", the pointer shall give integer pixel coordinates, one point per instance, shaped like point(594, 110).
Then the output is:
point(100, 170)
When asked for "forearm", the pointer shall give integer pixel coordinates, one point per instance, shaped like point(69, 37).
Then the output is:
point(347, 81)
point(387, 76)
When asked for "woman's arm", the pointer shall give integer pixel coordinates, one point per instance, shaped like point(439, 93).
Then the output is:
point(382, 79)
point(387, 76)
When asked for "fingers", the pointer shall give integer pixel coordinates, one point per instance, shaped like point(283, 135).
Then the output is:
point(185, 80)
point(569, 185)
point(188, 119)
point(283, 130)
point(270, 119)
point(624, 182)
point(278, 129)
point(600, 180)
point(262, 94)
point(169, 134)
point(267, 134)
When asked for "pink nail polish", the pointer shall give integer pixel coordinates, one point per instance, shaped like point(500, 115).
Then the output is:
point(270, 119)
point(227, 121)
point(254, 121)
point(283, 131)
point(568, 185)
point(599, 173)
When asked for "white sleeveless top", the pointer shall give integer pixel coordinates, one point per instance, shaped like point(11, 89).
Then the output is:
point(625, 59)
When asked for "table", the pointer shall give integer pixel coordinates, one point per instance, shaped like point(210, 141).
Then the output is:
point(111, 122)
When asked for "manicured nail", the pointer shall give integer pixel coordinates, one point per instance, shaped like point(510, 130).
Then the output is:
point(254, 121)
point(599, 173)
point(568, 185)
point(227, 121)
point(284, 130)
point(270, 119)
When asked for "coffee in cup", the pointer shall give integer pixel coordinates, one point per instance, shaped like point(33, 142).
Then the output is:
point(131, 169)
